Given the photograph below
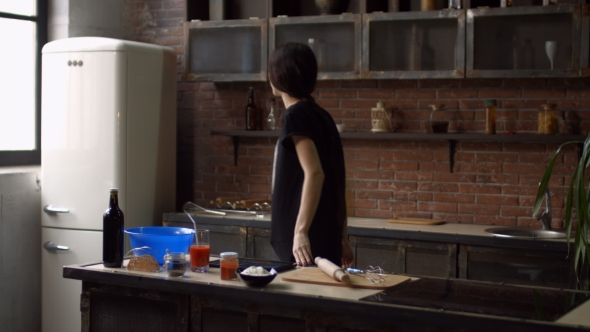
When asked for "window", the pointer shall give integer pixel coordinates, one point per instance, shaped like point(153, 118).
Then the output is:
point(23, 32)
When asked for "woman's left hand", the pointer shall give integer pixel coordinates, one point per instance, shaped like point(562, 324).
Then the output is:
point(347, 256)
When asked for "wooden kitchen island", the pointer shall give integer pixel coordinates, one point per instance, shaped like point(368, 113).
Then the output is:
point(122, 300)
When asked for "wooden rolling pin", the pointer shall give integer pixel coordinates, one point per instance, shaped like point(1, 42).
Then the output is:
point(332, 270)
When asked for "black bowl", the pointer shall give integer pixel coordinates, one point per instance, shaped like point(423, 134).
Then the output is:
point(256, 281)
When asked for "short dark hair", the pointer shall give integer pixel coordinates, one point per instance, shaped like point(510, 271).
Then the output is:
point(293, 69)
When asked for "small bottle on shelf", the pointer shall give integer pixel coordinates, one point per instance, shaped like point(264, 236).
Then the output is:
point(271, 123)
point(439, 119)
point(113, 224)
point(251, 112)
point(490, 105)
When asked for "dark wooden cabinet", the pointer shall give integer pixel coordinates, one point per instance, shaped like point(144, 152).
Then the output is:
point(335, 40)
point(517, 266)
point(234, 50)
point(513, 42)
point(414, 45)
point(371, 40)
point(416, 258)
point(259, 246)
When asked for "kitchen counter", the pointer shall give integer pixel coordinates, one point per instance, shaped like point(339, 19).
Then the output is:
point(202, 302)
point(448, 232)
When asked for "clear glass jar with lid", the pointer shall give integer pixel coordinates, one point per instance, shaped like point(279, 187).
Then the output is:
point(548, 119)
point(439, 119)
point(228, 265)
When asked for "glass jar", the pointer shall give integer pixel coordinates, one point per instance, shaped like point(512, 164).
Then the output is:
point(490, 105)
point(175, 263)
point(548, 120)
point(228, 265)
point(439, 119)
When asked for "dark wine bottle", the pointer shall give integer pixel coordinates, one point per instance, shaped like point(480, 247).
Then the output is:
point(113, 223)
point(252, 118)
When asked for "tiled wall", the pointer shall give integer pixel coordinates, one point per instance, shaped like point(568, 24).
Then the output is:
point(491, 183)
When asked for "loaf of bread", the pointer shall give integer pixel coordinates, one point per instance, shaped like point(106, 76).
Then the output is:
point(145, 263)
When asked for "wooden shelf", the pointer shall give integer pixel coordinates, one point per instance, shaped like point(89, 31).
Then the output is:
point(450, 138)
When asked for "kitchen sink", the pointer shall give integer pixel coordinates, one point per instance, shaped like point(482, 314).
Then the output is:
point(525, 233)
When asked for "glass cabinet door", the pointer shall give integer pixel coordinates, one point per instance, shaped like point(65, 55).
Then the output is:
point(414, 44)
point(335, 39)
point(232, 50)
point(539, 41)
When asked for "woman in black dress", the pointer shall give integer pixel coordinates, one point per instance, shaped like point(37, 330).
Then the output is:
point(308, 197)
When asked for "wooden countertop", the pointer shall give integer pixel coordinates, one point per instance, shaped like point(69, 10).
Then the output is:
point(278, 289)
point(448, 232)
point(213, 278)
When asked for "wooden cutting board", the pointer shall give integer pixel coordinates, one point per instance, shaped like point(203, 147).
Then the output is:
point(416, 221)
point(313, 275)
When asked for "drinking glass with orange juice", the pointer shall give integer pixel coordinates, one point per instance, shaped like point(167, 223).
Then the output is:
point(200, 252)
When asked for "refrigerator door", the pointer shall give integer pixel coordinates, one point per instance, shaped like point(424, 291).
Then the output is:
point(60, 297)
point(84, 133)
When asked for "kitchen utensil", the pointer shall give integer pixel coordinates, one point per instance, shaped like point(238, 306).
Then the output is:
point(313, 275)
point(332, 270)
point(256, 281)
point(374, 274)
point(160, 238)
point(416, 221)
point(190, 207)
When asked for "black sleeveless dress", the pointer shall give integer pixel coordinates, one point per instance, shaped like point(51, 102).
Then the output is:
point(306, 118)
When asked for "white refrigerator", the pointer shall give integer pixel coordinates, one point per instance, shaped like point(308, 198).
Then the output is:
point(108, 120)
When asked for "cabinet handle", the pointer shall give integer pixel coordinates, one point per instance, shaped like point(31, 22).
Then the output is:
point(52, 209)
point(50, 246)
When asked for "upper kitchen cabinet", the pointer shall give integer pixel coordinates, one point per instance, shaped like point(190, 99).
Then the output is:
point(244, 9)
point(227, 9)
point(232, 50)
point(538, 41)
point(335, 40)
point(409, 45)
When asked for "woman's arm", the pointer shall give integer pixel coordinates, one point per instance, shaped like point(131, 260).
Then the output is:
point(310, 197)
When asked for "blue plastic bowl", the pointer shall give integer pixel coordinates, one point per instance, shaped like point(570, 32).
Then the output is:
point(160, 238)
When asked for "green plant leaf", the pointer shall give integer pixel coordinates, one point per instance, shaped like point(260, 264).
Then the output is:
point(577, 197)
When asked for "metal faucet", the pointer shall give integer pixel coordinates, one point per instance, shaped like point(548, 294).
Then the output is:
point(545, 217)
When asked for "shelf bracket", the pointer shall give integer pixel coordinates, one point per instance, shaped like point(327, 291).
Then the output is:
point(236, 140)
point(452, 143)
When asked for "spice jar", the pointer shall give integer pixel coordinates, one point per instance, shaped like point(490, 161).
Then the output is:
point(548, 120)
point(439, 119)
point(228, 265)
point(490, 105)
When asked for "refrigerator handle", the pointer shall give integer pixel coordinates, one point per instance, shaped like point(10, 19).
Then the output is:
point(52, 209)
point(49, 246)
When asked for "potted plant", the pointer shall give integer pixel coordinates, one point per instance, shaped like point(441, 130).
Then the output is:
point(578, 196)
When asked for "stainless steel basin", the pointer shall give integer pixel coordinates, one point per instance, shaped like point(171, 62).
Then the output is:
point(525, 233)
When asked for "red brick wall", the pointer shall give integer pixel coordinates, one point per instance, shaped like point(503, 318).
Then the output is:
point(492, 183)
